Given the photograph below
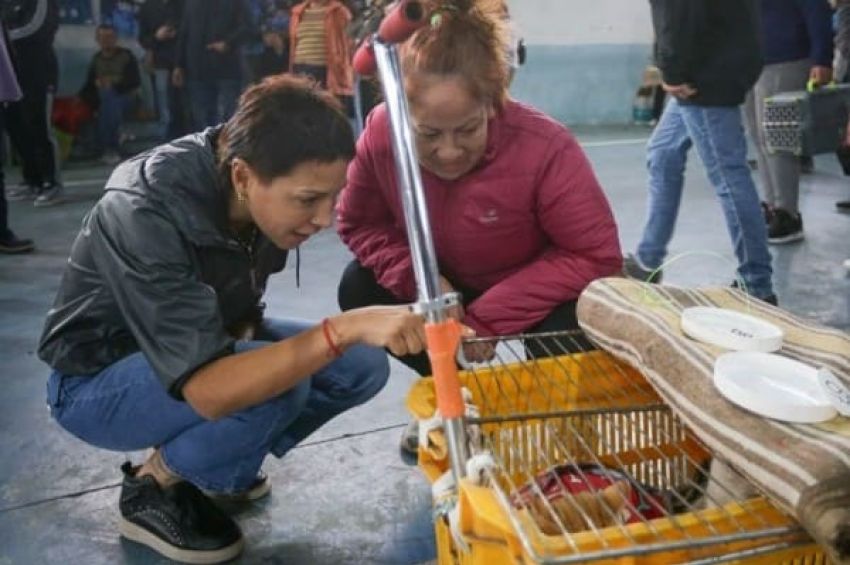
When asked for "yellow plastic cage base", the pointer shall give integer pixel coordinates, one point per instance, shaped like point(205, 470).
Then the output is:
point(490, 536)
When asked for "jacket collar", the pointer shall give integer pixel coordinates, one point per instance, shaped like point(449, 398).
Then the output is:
point(190, 191)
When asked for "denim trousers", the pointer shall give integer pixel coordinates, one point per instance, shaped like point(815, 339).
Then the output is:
point(110, 116)
point(718, 134)
point(212, 101)
point(126, 408)
point(170, 105)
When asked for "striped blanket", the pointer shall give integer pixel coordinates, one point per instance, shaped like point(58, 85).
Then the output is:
point(803, 468)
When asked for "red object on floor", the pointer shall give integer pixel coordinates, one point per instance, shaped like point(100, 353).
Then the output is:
point(70, 113)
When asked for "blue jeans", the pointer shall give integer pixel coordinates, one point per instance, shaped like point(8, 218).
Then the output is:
point(110, 116)
point(170, 106)
point(213, 101)
point(126, 408)
point(718, 134)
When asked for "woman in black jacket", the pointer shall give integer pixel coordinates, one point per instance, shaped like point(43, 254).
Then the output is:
point(157, 337)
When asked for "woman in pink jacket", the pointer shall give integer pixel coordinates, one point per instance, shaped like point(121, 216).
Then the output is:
point(520, 223)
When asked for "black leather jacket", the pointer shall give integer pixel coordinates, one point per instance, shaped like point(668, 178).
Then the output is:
point(711, 44)
point(155, 269)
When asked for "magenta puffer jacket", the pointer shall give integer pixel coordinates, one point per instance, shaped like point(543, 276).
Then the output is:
point(529, 227)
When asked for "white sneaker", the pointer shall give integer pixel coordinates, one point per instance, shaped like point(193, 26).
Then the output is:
point(110, 158)
point(19, 192)
point(52, 194)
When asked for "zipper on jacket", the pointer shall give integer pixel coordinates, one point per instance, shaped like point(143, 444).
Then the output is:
point(247, 245)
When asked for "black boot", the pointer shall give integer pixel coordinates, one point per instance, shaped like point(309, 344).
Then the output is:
point(177, 521)
point(10, 244)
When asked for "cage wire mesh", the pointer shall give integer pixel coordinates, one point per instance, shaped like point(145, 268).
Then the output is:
point(783, 121)
point(561, 420)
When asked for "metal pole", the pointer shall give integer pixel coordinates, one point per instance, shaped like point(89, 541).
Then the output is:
point(423, 255)
point(422, 252)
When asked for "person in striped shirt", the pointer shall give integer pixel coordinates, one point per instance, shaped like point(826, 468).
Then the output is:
point(319, 46)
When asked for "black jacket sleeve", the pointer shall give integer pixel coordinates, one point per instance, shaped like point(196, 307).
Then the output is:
point(818, 17)
point(88, 92)
point(676, 24)
point(130, 79)
point(147, 27)
point(147, 266)
point(239, 28)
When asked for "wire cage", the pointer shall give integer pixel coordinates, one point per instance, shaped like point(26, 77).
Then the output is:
point(585, 463)
point(806, 123)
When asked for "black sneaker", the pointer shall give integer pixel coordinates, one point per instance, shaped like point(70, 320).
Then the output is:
point(178, 522)
point(843, 205)
point(634, 269)
point(771, 299)
point(767, 211)
point(10, 244)
point(784, 227)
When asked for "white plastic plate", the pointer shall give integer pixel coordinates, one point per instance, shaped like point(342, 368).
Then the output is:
point(730, 329)
point(835, 390)
point(773, 386)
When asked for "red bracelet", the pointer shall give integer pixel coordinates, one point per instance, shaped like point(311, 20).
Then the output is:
point(326, 329)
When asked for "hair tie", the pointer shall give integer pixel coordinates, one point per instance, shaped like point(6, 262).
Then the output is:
point(437, 15)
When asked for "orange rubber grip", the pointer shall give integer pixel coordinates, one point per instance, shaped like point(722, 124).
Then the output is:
point(443, 340)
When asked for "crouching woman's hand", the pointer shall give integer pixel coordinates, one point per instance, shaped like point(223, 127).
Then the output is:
point(396, 328)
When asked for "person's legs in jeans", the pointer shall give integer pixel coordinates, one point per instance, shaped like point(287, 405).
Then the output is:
point(125, 408)
point(718, 135)
point(203, 100)
point(667, 154)
point(161, 88)
point(228, 92)
point(347, 382)
point(110, 116)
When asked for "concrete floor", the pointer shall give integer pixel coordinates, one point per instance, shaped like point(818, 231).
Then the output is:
point(344, 496)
